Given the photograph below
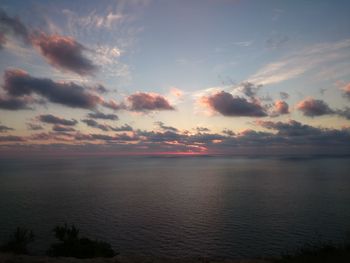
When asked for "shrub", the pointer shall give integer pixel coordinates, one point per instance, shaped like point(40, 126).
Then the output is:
point(321, 253)
point(71, 245)
point(19, 241)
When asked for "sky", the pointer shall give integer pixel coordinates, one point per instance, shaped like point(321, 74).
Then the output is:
point(135, 77)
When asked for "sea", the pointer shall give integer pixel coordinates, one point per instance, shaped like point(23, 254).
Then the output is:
point(180, 206)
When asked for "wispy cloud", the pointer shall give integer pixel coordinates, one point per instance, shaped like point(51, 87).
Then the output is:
point(301, 62)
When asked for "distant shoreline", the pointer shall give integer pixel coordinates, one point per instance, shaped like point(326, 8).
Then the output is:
point(214, 155)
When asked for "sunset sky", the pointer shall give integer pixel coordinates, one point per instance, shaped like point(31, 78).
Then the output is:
point(166, 77)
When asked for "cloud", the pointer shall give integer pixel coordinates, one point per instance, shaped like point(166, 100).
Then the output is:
point(280, 137)
point(345, 113)
point(34, 127)
point(124, 127)
point(99, 89)
point(51, 119)
point(18, 83)
point(346, 90)
point(202, 129)
point(249, 89)
point(10, 25)
point(291, 128)
point(302, 61)
point(64, 53)
point(10, 103)
point(296, 135)
point(164, 127)
point(63, 134)
point(95, 124)
point(228, 105)
point(62, 128)
point(4, 128)
point(11, 138)
point(112, 104)
point(158, 137)
point(284, 95)
point(121, 138)
point(2, 40)
point(104, 127)
point(312, 107)
point(93, 20)
point(228, 132)
point(176, 92)
point(143, 102)
point(103, 21)
point(103, 116)
point(280, 107)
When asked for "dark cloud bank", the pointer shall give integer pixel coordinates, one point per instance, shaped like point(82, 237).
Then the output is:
point(278, 138)
point(19, 86)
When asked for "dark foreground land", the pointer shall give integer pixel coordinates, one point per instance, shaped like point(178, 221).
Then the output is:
point(10, 258)
point(72, 248)
point(324, 254)
point(321, 255)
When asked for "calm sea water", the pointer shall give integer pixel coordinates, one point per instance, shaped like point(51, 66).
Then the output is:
point(181, 207)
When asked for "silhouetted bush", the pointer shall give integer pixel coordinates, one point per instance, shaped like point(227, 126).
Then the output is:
point(71, 245)
point(19, 241)
point(322, 253)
